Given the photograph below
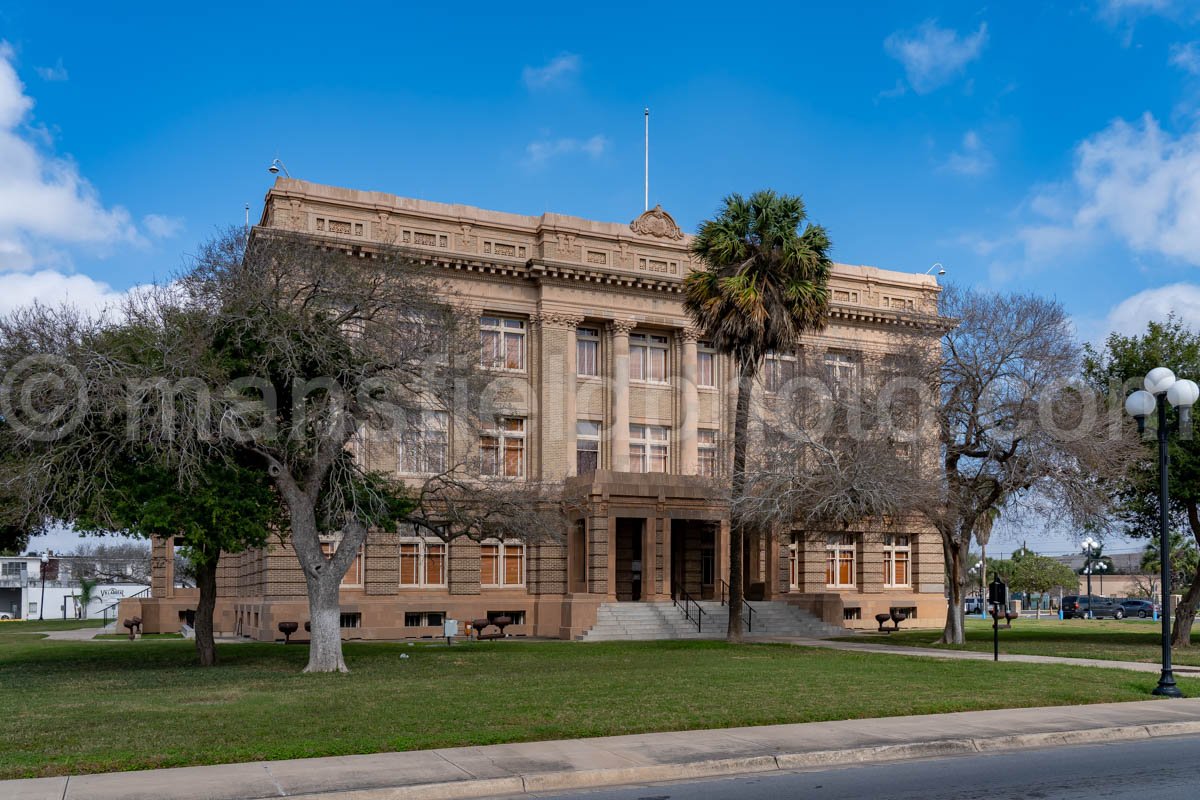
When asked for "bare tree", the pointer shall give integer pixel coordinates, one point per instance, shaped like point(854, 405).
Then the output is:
point(284, 354)
point(107, 563)
point(1017, 427)
point(829, 455)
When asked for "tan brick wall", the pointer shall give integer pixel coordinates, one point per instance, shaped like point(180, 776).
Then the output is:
point(463, 567)
point(546, 568)
point(382, 563)
point(284, 577)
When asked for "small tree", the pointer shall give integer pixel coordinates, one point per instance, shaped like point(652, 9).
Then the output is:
point(1116, 369)
point(87, 591)
point(1037, 574)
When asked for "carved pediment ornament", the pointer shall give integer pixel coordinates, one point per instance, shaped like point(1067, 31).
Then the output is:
point(657, 223)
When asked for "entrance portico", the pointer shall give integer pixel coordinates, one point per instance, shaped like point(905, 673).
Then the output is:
point(646, 537)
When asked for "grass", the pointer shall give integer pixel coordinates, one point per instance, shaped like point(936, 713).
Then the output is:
point(1126, 640)
point(76, 707)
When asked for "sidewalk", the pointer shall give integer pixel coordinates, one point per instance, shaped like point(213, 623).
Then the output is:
point(514, 769)
point(971, 655)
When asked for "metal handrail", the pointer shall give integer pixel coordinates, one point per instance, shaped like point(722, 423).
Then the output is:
point(104, 611)
point(745, 605)
point(685, 605)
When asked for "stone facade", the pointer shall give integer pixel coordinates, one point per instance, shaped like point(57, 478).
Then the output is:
point(647, 386)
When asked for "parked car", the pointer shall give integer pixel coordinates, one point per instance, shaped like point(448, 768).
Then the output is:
point(1074, 605)
point(1138, 608)
point(973, 605)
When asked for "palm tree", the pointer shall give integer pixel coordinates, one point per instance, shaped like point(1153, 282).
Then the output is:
point(87, 591)
point(764, 282)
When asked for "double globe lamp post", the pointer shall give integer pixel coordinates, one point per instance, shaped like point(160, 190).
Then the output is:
point(1162, 388)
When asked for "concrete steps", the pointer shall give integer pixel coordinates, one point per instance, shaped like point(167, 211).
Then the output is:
point(662, 620)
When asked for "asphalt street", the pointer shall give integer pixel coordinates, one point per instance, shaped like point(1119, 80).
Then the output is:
point(1159, 769)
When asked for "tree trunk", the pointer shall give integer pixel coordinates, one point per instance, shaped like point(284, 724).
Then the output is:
point(1185, 612)
point(741, 428)
point(325, 616)
point(956, 556)
point(206, 581)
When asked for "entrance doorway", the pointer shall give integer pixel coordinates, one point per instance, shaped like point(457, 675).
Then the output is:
point(629, 558)
point(693, 558)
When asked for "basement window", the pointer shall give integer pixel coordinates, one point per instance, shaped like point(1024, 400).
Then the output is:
point(351, 620)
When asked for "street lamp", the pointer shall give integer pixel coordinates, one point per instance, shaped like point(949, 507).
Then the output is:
point(1100, 565)
point(1162, 388)
point(277, 165)
point(42, 604)
point(1090, 547)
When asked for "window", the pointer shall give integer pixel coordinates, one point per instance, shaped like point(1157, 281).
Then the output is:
point(502, 564)
point(896, 557)
point(778, 371)
point(423, 442)
point(794, 561)
point(14, 568)
point(587, 446)
point(839, 560)
point(422, 562)
point(707, 450)
point(648, 357)
point(351, 620)
point(424, 619)
point(517, 617)
point(502, 450)
point(502, 340)
point(587, 352)
point(354, 573)
point(648, 448)
point(841, 371)
point(708, 567)
point(706, 366)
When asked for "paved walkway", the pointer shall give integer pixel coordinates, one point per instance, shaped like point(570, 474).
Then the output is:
point(971, 655)
point(515, 769)
point(76, 635)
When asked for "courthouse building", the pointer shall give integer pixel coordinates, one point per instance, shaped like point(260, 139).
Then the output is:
point(609, 389)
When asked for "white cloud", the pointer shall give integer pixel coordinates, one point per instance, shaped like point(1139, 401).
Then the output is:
point(1114, 10)
point(44, 201)
point(932, 56)
point(56, 73)
point(1186, 57)
point(162, 227)
point(1131, 315)
point(1132, 181)
point(973, 159)
point(50, 287)
point(558, 72)
point(540, 152)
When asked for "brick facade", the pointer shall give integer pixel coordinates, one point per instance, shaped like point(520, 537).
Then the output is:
point(558, 274)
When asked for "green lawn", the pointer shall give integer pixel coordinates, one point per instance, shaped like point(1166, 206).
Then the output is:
point(74, 707)
point(1126, 640)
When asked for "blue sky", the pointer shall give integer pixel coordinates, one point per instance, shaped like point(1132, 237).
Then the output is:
point(1051, 146)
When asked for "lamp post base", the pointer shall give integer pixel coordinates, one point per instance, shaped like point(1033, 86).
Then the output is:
point(1166, 686)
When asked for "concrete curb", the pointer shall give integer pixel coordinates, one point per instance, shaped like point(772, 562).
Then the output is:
point(819, 759)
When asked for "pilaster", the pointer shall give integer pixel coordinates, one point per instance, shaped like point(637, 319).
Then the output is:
point(620, 395)
point(689, 406)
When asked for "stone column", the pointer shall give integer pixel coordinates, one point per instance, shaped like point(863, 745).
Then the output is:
point(620, 394)
point(556, 406)
point(650, 558)
point(689, 460)
point(667, 588)
point(721, 554)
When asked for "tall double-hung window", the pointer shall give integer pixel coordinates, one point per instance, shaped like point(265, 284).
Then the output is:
point(649, 448)
point(502, 449)
point(502, 343)
point(648, 357)
point(840, 560)
point(587, 352)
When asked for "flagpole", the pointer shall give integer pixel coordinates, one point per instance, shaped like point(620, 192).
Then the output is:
point(646, 200)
